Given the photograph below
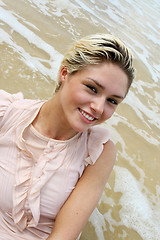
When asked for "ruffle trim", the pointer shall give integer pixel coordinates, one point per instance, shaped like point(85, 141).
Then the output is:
point(27, 188)
point(45, 169)
point(98, 136)
point(30, 179)
point(6, 99)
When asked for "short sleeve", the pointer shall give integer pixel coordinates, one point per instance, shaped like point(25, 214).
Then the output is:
point(6, 99)
point(98, 136)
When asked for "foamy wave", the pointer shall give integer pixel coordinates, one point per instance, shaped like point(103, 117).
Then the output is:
point(56, 7)
point(98, 221)
point(118, 13)
point(137, 211)
point(34, 63)
point(141, 109)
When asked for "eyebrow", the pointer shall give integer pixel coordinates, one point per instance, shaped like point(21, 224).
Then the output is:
point(103, 88)
point(117, 96)
point(97, 83)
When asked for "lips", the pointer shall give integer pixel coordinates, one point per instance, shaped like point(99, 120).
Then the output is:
point(87, 115)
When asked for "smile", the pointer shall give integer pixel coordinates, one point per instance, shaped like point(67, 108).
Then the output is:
point(86, 115)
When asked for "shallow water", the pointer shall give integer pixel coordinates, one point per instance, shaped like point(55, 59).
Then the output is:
point(34, 35)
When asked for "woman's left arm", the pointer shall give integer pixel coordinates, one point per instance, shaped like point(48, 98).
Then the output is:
point(75, 212)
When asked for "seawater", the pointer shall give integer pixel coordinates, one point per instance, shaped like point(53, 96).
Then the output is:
point(34, 35)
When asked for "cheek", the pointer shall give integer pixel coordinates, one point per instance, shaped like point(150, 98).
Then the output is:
point(68, 95)
point(108, 112)
point(81, 97)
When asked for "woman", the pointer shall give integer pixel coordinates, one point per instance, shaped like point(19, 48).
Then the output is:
point(54, 161)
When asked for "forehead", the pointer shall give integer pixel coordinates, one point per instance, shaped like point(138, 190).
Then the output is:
point(104, 70)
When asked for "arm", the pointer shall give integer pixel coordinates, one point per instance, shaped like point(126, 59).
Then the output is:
point(75, 212)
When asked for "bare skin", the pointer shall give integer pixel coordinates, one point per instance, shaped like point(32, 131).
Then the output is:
point(97, 90)
point(75, 212)
point(85, 99)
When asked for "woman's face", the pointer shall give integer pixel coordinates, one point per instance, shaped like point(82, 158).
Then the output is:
point(91, 96)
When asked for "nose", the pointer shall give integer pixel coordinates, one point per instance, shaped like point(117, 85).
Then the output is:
point(97, 105)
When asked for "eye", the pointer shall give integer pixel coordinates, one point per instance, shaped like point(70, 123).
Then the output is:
point(93, 89)
point(112, 101)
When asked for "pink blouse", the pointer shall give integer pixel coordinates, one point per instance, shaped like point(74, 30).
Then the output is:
point(37, 174)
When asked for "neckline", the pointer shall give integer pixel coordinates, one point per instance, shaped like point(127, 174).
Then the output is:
point(39, 135)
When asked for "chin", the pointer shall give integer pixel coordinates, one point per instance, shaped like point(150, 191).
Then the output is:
point(80, 129)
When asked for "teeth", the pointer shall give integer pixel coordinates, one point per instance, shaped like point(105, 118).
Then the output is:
point(86, 115)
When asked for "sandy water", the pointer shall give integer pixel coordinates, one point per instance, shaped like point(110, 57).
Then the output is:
point(34, 34)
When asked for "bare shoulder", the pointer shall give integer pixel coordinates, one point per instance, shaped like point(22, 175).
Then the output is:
point(102, 168)
point(109, 150)
point(108, 155)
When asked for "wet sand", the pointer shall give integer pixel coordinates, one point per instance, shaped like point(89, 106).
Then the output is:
point(34, 35)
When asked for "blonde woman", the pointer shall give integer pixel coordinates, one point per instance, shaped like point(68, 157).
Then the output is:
point(54, 159)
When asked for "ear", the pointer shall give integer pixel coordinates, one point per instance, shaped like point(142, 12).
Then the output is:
point(63, 74)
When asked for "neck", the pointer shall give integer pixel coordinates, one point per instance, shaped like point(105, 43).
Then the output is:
point(51, 123)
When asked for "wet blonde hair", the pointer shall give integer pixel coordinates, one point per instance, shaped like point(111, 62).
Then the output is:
point(96, 49)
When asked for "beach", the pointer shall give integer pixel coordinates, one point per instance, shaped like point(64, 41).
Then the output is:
point(35, 34)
